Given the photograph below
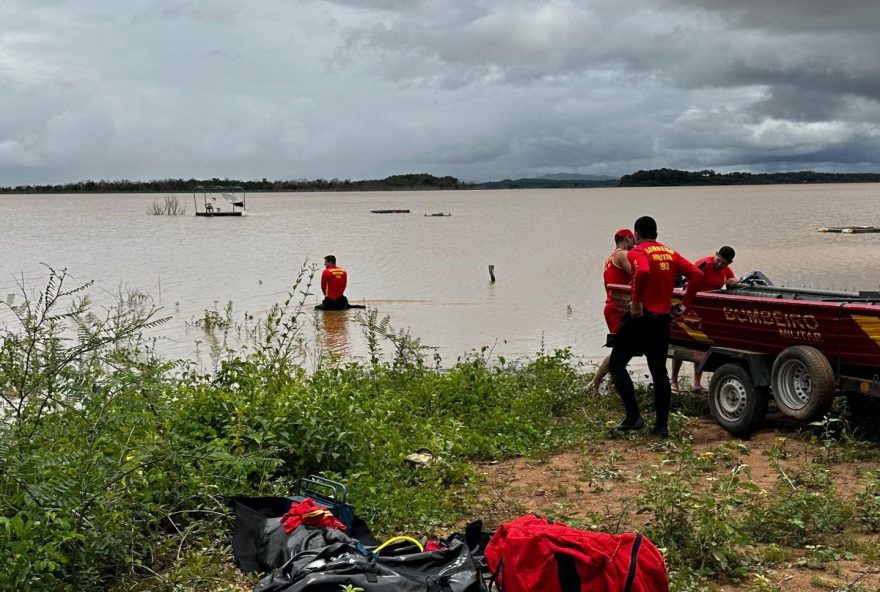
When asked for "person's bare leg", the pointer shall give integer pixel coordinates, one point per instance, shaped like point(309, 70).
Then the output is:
point(698, 379)
point(601, 371)
point(676, 366)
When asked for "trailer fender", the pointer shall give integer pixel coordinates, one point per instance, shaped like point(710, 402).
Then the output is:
point(759, 365)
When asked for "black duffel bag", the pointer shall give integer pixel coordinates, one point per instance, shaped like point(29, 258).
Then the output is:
point(332, 568)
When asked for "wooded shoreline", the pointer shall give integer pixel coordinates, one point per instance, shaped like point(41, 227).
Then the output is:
point(427, 182)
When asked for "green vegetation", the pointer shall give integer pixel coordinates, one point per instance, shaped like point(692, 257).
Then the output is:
point(412, 182)
point(543, 183)
point(424, 181)
point(115, 462)
point(672, 177)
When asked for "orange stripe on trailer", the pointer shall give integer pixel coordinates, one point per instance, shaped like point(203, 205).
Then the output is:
point(870, 325)
point(693, 333)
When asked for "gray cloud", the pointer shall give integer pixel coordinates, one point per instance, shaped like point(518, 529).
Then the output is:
point(843, 16)
point(479, 89)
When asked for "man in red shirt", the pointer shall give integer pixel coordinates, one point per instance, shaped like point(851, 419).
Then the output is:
point(716, 275)
point(645, 327)
point(617, 271)
point(333, 282)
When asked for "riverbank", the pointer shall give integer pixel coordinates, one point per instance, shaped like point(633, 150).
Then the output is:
point(116, 461)
point(787, 510)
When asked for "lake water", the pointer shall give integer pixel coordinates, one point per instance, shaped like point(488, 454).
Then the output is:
point(430, 274)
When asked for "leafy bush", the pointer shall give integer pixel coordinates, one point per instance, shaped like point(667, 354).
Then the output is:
point(115, 462)
point(698, 527)
point(804, 509)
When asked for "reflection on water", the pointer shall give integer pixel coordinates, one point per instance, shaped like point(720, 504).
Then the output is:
point(334, 332)
point(430, 275)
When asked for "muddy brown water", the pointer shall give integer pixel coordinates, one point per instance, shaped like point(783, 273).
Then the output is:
point(430, 274)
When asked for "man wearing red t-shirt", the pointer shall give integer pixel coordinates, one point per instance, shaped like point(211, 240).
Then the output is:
point(617, 271)
point(645, 327)
point(333, 282)
point(716, 275)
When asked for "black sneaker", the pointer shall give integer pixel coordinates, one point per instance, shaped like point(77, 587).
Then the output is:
point(626, 424)
point(660, 432)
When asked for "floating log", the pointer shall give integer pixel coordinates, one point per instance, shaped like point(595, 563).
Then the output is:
point(439, 215)
point(849, 229)
point(390, 211)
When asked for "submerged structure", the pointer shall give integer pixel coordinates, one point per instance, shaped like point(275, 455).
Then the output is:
point(219, 201)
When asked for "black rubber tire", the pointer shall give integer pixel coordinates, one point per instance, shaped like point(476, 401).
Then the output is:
point(803, 383)
point(734, 401)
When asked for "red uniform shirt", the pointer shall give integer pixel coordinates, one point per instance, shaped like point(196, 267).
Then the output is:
point(333, 281)
point(655, 269)
point(713, 279)
point(614, 275)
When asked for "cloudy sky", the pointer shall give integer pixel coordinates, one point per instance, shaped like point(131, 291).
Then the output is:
point(477, 89)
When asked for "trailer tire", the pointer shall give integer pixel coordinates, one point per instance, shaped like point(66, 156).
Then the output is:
point(734, 401)
point(803, 382)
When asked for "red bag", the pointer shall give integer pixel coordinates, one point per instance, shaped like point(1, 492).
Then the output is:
point(530, 554)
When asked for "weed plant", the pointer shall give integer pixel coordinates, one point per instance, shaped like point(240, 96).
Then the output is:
point(697, 524)
point(168, 206)
point(115, 462)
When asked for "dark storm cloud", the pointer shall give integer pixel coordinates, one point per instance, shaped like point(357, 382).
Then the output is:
point(479, 89)
point(820, 16)
point(800, 104)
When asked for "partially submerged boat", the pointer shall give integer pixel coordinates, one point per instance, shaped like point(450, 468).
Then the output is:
point(800, 346)
point(215, 199)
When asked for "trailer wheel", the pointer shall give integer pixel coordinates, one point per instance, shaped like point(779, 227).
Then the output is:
point(734, 401)
point(803, 382)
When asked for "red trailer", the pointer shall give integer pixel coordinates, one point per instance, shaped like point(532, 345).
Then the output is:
point(800, 346)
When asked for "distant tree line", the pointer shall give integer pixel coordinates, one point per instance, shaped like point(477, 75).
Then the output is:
point(534, 183)
point(672, 177)
point(424, 181)
point(412, 182)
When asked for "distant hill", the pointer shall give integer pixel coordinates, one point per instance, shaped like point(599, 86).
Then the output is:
point(575, 177)
point(673, 177)
point(554, 181)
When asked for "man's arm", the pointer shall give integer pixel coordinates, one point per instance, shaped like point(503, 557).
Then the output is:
point(694, 277)
point(325, 275)
point(730, 278)
point(621, 259)
point(641, 271)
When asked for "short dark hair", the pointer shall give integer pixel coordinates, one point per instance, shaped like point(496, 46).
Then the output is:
point(330, 258)
point(727, 252)
point(646, 227)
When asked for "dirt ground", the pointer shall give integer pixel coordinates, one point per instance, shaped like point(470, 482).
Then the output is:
point(603, 479)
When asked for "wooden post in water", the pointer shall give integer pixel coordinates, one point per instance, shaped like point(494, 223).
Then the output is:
point(492, 273)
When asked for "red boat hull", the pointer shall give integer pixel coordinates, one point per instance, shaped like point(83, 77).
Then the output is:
point(847, 333)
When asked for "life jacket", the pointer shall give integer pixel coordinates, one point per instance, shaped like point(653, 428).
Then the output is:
point(530, 554)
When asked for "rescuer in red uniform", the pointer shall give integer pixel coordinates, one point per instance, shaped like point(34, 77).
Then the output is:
point(333, 282)
point(617, 271)
point(645, 327)
point(716, 275)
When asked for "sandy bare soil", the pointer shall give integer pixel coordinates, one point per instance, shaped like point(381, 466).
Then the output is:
point(602, 483)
